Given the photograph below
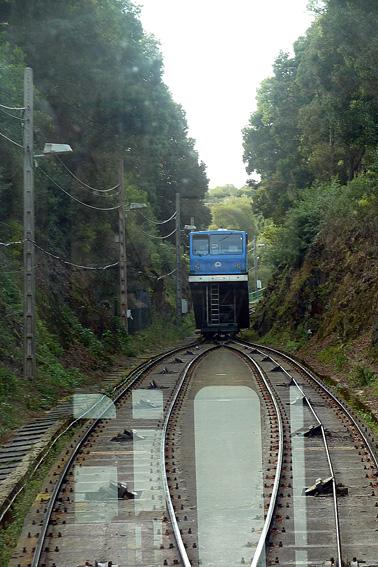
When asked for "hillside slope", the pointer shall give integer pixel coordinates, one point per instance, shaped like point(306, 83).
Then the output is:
point(327, 309)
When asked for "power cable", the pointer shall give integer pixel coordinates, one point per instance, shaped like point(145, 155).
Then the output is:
point(166, 275)
point(159, 222)
point(158, 237)
point(67, 262)
point(148, 275)
point(58, 257)
point(10, 140)
point(11, 115)
point(75, 198)
point(6, 244)
point(12, 107)
point(82, 182)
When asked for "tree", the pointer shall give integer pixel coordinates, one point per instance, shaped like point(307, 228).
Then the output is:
point(316, 117)
point(234, 213)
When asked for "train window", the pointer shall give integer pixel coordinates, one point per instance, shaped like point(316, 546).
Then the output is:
point(226, 244)
point(200, 245)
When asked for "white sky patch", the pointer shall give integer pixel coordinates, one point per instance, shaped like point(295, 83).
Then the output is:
point(216, 53)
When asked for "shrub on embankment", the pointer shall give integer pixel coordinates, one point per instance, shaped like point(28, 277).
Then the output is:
point(326, 259)
point(323, 298)
point(110, 103)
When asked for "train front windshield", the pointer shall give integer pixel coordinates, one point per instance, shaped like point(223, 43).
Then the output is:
point(217, 244)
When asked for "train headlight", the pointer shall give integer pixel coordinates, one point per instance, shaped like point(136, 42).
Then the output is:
point(197, 267)
point(238, 266)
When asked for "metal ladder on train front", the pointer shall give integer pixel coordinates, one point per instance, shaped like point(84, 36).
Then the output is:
point(214, 314)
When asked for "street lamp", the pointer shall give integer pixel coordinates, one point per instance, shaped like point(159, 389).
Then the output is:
point(133, 206)
point(54, 149)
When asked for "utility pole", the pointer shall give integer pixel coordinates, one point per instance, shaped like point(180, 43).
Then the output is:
point(178, 260)
point(122, 250)
point(29, 250)
point(255, 260)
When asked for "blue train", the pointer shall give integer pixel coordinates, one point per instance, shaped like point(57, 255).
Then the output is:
point(218, 279)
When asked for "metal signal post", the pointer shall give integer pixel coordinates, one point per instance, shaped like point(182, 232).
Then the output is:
point(122, 251)
point(29, 250)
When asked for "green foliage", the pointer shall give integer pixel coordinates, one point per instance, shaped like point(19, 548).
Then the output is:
point(361, 377)
point(316, 116)
point(234, 213)
point(334, 355)
point(109, 104)
point(10, 315)
point(221, 192)
point(318, 209)
point(10, 532)
point(288, 341)
point(160, 333)
point(10, 391)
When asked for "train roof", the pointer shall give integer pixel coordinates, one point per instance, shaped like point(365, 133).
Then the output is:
point(218, 231)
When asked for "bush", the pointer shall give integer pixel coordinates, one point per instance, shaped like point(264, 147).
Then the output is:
point(319, 206)
point(362, 377)
point(334, 355)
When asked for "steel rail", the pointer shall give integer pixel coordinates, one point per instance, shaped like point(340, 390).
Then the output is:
point(326, 448)
point(56, 438)
point(259, 555)
point(341, 404)
point(130, 380)
point(176, 530)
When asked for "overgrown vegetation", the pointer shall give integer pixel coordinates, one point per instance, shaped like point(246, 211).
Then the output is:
point(11, 531)
point(98, 87)
point(362, 376)
point(230, 207)
point(313, 139)
point(314, 142)
point(334, 355)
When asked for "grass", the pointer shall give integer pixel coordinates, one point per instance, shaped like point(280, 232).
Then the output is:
point(161, 333)
point(334, 355)
point(363, 377)
point(10, 532)
point(284, 340)
point(55, 381)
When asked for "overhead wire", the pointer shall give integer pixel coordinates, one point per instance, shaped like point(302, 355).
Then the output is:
point(67, 262)
point(83, 182)
point(75, 198)
point(159, 222)
point(158, 237)
point(10, 140)
point(166, 275)
point(11, 115)
point(56, 257)
point(142, 271)
point(6, 244)
point(12, 107)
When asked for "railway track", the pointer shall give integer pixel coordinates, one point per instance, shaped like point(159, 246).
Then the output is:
point(333, 493)
point(59, 492)
point(213, 457)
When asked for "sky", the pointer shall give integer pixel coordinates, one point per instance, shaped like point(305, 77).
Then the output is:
point(216, 53)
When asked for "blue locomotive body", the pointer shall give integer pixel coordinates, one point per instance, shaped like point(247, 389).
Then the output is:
point(218, 252)
point(218, 280)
